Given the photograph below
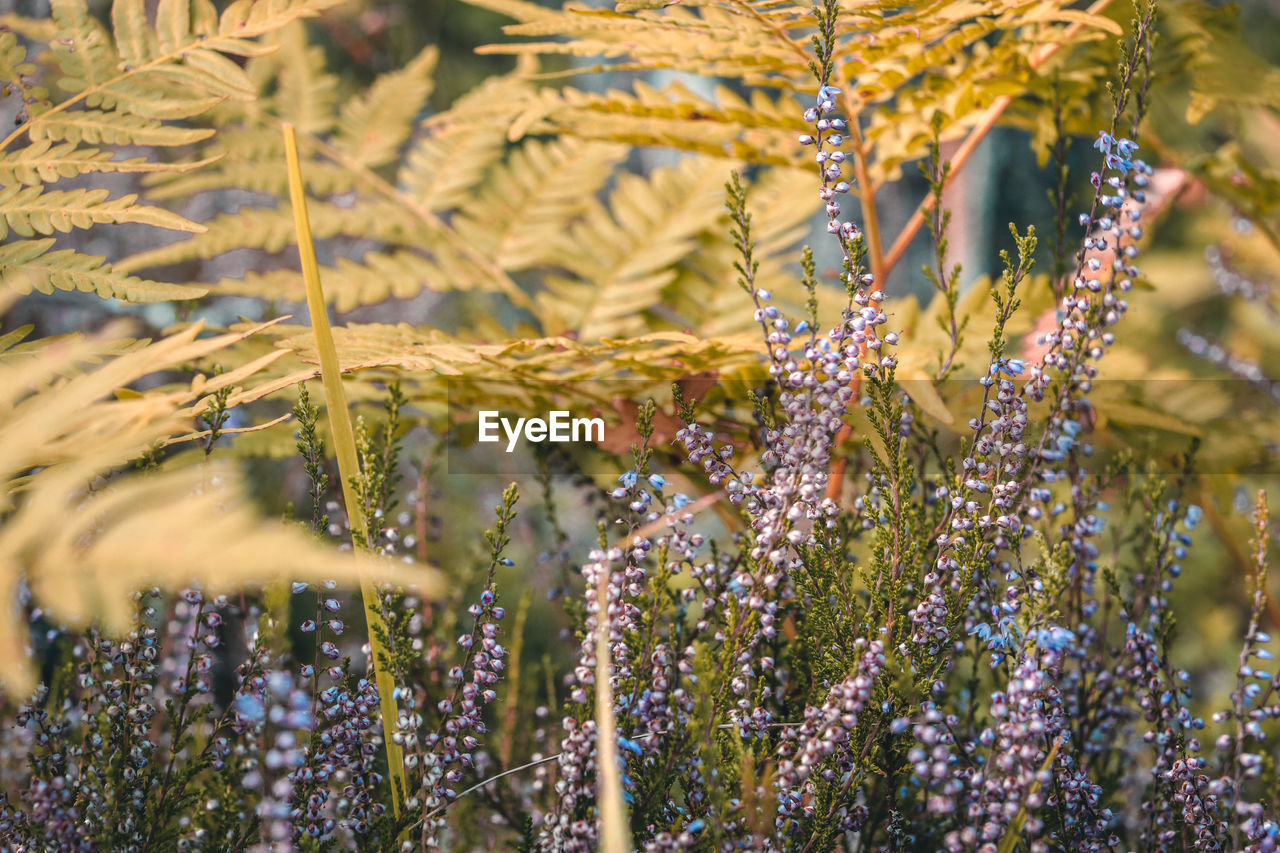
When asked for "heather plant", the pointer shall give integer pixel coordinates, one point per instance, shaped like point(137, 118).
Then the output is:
point(925, 615)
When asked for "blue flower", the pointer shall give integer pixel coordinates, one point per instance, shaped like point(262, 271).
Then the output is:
point(1104, 142)
point(681, 501)
point(628, 479)
point(1114, 161)
point(249, 707)
point(1011, 366)
point(657, 481)
point(1055, 638)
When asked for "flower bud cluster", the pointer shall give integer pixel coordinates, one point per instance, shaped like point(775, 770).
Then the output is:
point(823, 746)
point(446, 754)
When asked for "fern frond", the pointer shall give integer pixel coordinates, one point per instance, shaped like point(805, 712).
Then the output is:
point(271, 230)
point(156, 530)
point(306, 93)
point(703, 295)
point(399, 274)
point(248, 158)
point(954, 59)
point(163, 87)
point(44, 162)
point(173, 23)
point(453, 150)
point(69, 427)
point(10, 339)
point(27, 265)
point(517, 10)
point(36, 29)
point(103, 127)
point(245, 19)
point(83, 49)
point(28, 211)
point(710, 41)
point(16, 72)
point(374, 126)
point(428, 354)
point(762, 130)
point(621, 258)
point(134, 38)
point(529, 201)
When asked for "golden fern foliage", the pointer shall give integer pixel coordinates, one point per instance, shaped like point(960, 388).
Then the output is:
point(114, 87)
point(448, 203)
point(902, 65)
point(78, 531)
point(81, 536)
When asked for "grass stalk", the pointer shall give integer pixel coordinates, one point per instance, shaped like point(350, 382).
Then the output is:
point(344, 444)
point(614, 834)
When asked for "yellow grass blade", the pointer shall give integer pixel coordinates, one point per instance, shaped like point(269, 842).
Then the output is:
point(344, 444)
point(614, 834)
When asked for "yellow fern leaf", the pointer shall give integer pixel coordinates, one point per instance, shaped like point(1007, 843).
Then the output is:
point(173, 24)
point(15, 71)
point(134, 38)
point(36, 29)
point(11, 338)
point(518, 10)
point(193, 525)
point(156, 94)
point(762, 131)
point(216, 73)
point(83, 49)
point(374, 126)
point(377, 276)
point(172, 529)
point(533, 197)
point(271, 229)
point(428, 355)
point(27, 265)
point(161, 87)
point(453, 150)
point(305, 93)
point(705, 295)
point(622, 257)
point(28, 211)
point(99, 126)
point(245, 19)
point(248, 158)
point(43, 162)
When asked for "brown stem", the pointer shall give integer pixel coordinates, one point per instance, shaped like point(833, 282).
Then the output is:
point(975, 137)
